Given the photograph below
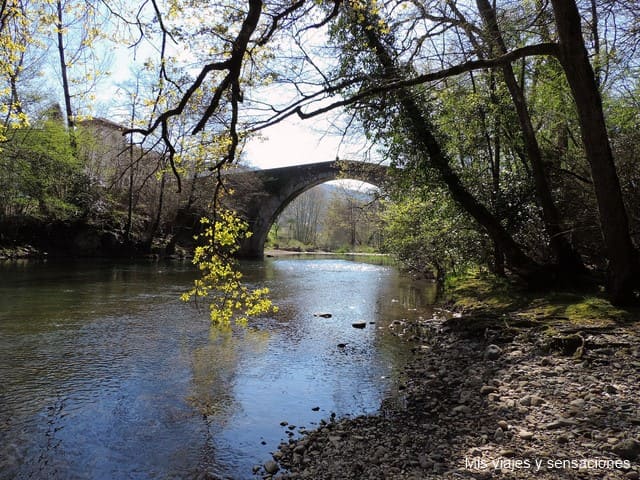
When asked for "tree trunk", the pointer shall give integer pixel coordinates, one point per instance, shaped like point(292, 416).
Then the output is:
point(568, 259)
point(158, 217)
point(65, 77)
point(498, 256)
point(129, 225)
point(624, 272)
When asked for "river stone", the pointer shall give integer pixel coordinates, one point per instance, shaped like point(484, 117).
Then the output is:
point(525, 401)
point(271, 467)
point(461, 409)
point(379, 453)
point(560, 423)
point(627, 449)
point(525, 435)
point(577, 403)
point(323, 315)
point(611, 390)
point(487, 389)
point(536, 400)
point(492, 352)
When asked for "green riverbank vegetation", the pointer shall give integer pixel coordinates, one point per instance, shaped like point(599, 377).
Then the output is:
point(485, 300)
point(494, 165)
point(94, 193)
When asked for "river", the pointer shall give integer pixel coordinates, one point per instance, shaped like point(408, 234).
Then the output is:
point(106, 374)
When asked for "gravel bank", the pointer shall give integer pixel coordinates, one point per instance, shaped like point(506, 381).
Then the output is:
point(485, 400)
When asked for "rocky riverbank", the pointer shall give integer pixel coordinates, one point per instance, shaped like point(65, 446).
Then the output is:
point(20, 252)
point(492, 397)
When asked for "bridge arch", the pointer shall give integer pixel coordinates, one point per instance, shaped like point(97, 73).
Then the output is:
point(261, 195)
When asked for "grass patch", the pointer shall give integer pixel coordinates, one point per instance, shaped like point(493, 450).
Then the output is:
point(592, 310)
point(477, 291)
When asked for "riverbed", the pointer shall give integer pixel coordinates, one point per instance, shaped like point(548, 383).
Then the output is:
point(107, 374)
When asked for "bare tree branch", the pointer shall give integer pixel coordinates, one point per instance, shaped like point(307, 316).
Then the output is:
point(233, 66)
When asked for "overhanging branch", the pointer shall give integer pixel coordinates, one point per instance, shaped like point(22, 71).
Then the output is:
point(480, 64)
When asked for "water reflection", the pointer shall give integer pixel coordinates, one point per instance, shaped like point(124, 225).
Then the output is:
point(106, 374)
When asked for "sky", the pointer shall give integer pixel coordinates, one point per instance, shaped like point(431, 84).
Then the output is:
point(291, 142)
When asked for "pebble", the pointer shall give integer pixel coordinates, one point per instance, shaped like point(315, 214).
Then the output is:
point(492, 352)
point(627, 449)
point(271, 467)
point(578, 403)
point(560, 423)
point(525, 435)
point(536, 400)
point(461, 409)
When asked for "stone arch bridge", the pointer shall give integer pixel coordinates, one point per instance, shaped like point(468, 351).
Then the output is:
point(261, 195)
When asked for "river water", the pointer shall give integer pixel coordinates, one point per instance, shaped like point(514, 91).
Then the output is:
point(106, 374)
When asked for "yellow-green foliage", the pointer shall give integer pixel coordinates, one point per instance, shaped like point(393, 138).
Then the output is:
point(221, 281)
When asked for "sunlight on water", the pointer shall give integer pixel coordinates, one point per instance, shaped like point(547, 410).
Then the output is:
point(106, 374)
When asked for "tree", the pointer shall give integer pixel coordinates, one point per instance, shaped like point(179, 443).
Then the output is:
point(422, 134)
point(77, 26)
point(568, 259)
point(232, 299)
point(39, 173)
point(303, 216)
point(429, 234)
point(352, 220)
point(15, 37)
point(624, 269)
point(397, 71)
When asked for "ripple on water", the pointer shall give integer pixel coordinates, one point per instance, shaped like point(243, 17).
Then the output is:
point(106, 374)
